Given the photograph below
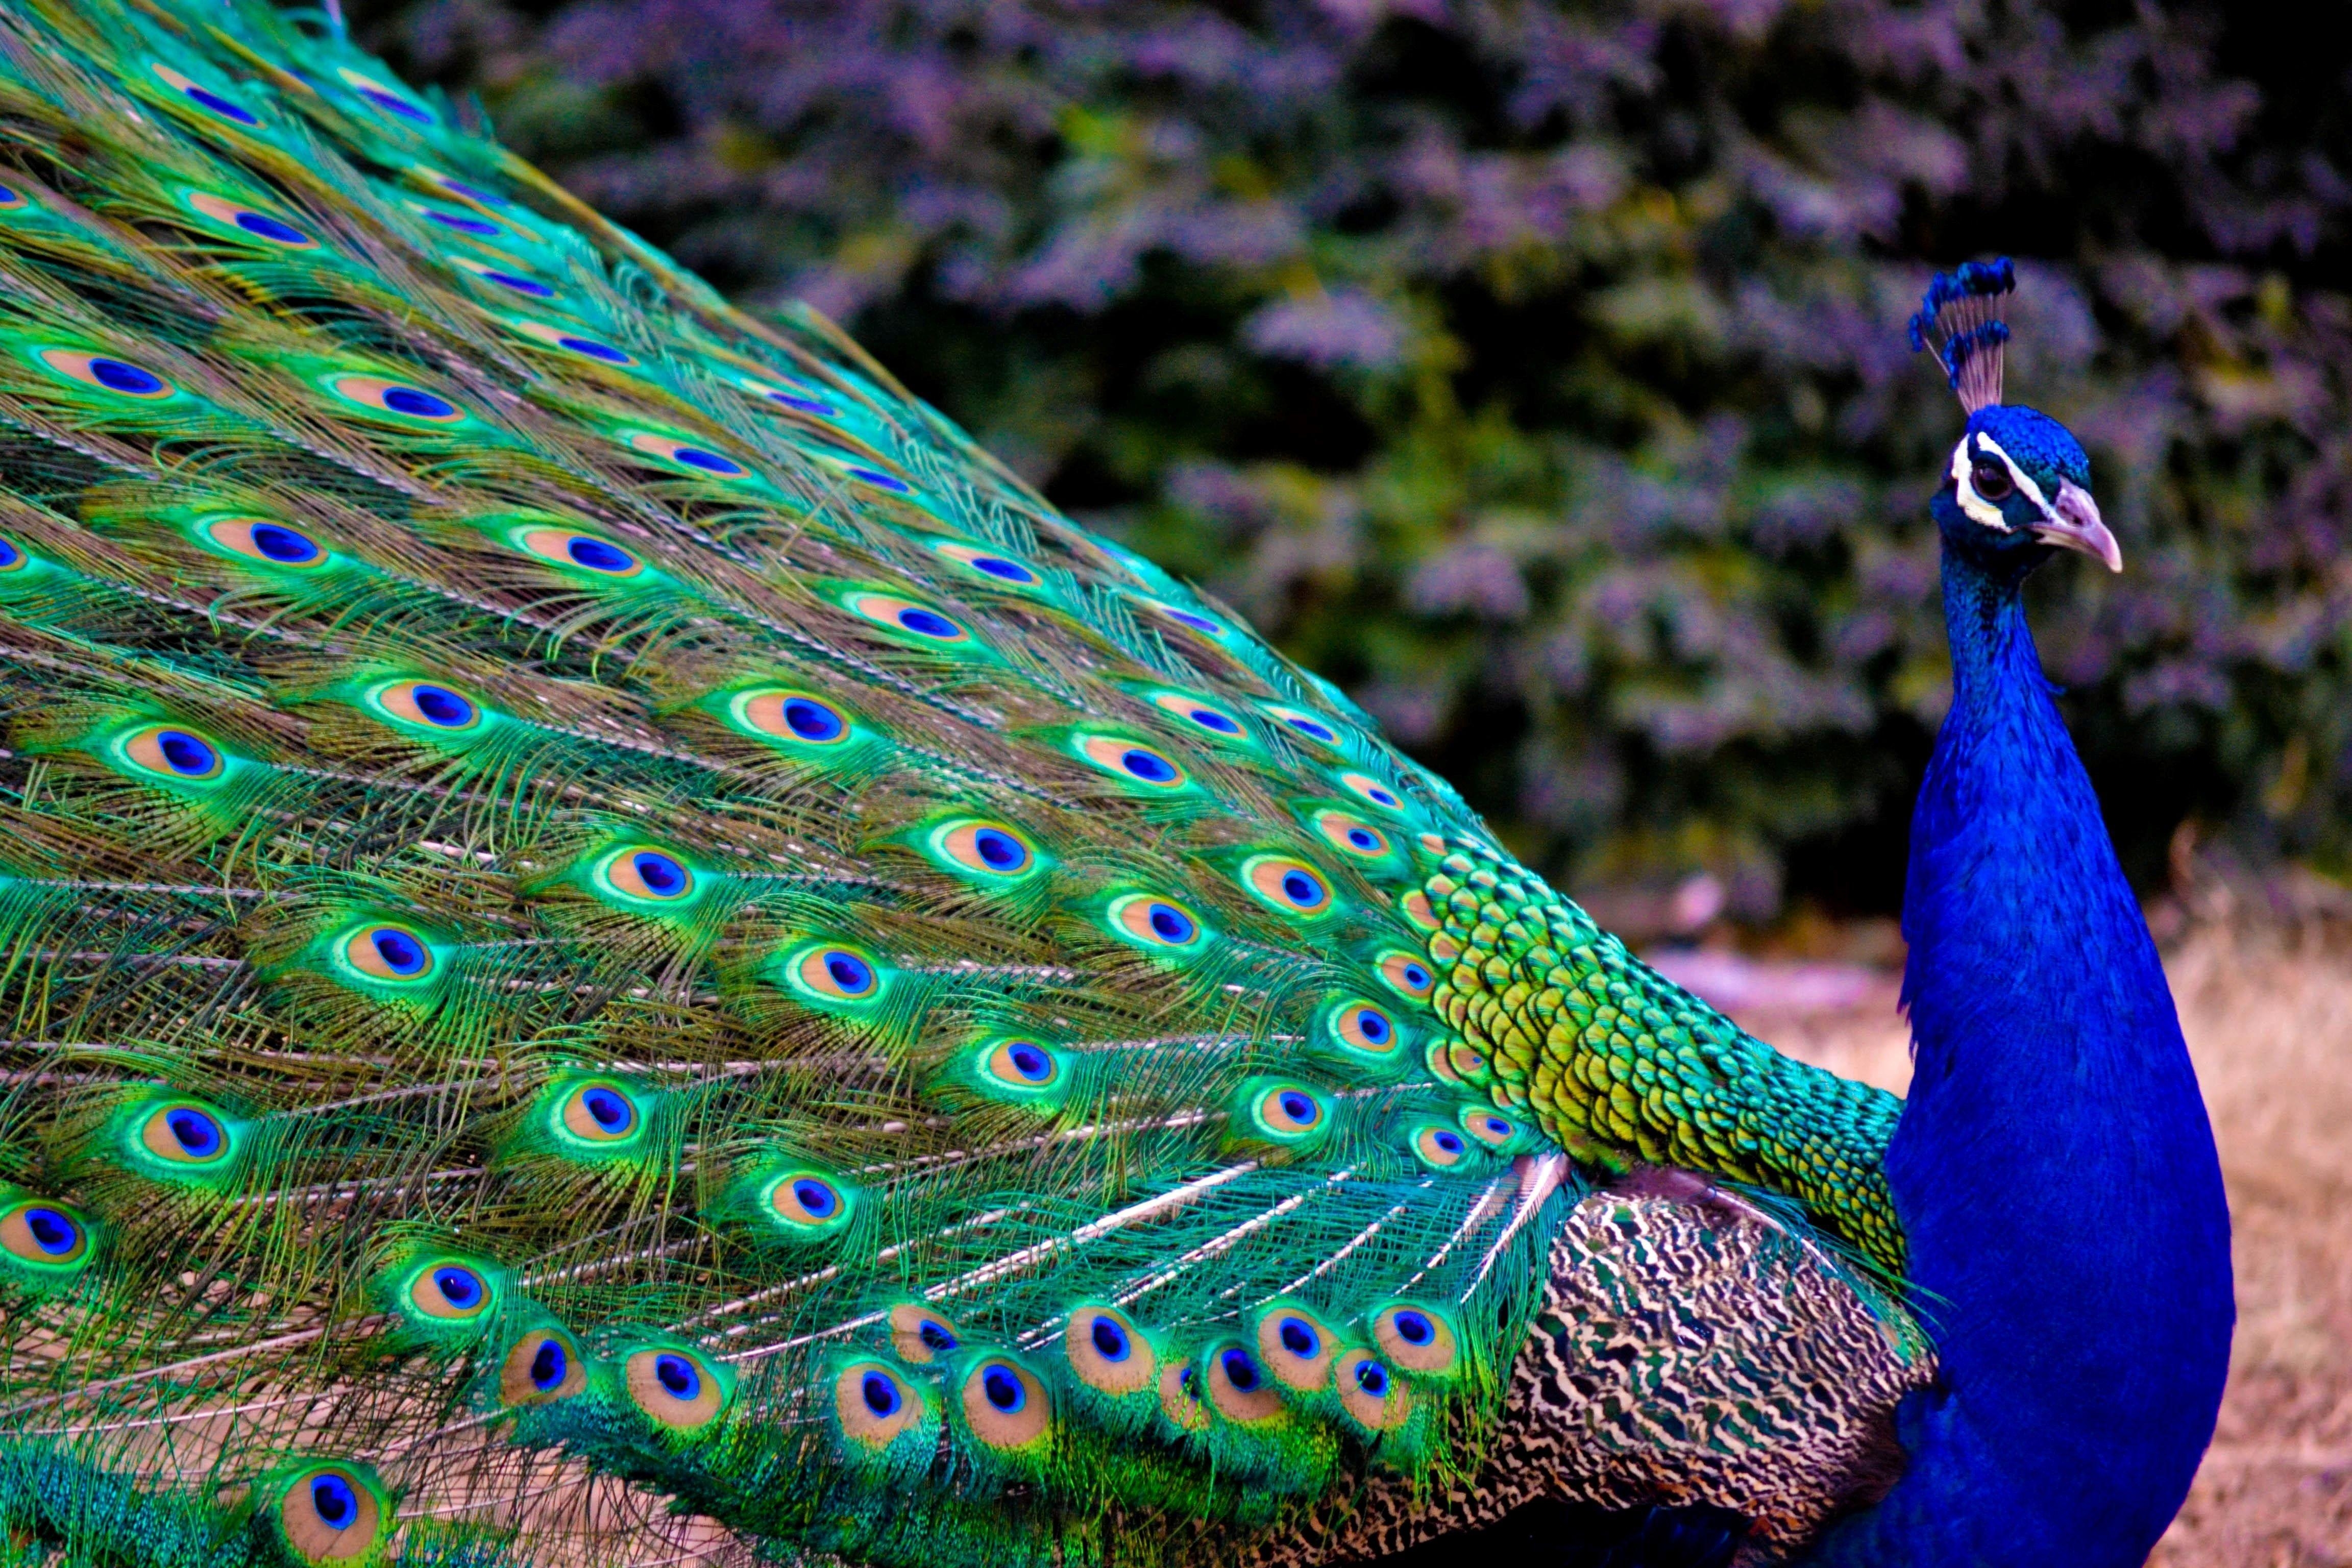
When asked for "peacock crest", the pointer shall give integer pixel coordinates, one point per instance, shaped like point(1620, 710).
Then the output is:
point(1959, 321)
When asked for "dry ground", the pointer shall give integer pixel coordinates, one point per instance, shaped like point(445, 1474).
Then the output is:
point(2269, 1020)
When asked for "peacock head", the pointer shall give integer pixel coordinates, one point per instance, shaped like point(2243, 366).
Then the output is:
point(2018, 484)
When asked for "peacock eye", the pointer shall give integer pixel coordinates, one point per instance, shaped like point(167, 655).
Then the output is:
point(1990, 479)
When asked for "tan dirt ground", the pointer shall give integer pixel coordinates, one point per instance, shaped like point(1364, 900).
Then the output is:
point(2269, 1020)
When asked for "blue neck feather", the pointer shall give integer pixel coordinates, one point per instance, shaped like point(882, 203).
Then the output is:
point(2053, 1168)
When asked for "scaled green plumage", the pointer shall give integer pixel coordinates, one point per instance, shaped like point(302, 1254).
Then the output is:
point(615, 941)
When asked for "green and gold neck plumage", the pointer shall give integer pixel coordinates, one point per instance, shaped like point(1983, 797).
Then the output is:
point(618, 949)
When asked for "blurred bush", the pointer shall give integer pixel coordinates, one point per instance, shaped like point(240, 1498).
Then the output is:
point(1536, 370)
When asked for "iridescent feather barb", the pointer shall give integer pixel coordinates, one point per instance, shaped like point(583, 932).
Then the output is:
point(618, 949)
point(1959, 320)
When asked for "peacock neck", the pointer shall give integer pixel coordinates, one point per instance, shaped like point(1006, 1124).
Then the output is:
point(1995, 669)
point(2053, 1168)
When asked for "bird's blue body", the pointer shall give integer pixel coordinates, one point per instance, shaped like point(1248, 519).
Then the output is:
point(2054, 1169)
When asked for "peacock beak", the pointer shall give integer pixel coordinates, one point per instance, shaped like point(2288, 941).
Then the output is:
point(2074, 524)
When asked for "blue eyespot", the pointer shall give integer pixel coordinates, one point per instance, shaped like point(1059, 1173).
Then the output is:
point(792, 716)
point(52, 1231)
point(1001, 850)
point(417, 404)
point(1110, 1340)
point(461, 1287)
point(589, 348)
point(262, 226)
point(1002, 1390)
point(464, 223)
point(881, 480)
point(935, 1334)
point(204, 98)
point(383, 950)
point(675, 1388)
point(1373, 1378)
point(708, 462)
point(1153, 923)
point(1300, 1107)
point(597, 555)
point(440, 706)
point(1311, 729)
point(1407, 974)
point(800, 405)
point(1291, 887)
point(609, 1110)
point(332, 1500)
point(1241, 1369)
point(1009, 571)
point(829, 972)
point(1365, 839)
point(128, 379)
point(45, 1236)
point(812, 720)
point(598, 1114)
point(643, 872)
point(400, 953)
point(550, 1365)
point(222, 106)
point(392, 104)
point(1020, 1064)
point(1299, 1338)
point(1125, 759)
point(1210, 719)
point(443, 707)
point(679, 1377)
point(531, 287)
point(1148, 767)
point(185, 754)
point(1373, 1025)
point(1414, 1328)
point(818, 1199)
point(283, 545)
point(1490, 1129)
point(472, 193)
point(196, 1134)
point(809, 1205)
point(881, 1393)
point(107, 373)
point(905, 616)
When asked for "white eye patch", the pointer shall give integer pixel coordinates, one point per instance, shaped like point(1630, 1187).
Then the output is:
point(1979, 508)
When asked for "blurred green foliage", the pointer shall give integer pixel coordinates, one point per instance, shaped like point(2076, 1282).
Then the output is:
point(1536, 370)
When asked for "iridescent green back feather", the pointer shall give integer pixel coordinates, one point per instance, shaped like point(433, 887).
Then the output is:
point(613, 936)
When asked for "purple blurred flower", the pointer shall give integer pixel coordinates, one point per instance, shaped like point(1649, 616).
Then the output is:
point(1328, 330)
point(1470, 579)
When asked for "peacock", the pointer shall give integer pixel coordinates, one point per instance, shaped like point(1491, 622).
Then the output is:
point(618, 950)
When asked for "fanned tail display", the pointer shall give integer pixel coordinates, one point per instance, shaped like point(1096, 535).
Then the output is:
point(618, 949)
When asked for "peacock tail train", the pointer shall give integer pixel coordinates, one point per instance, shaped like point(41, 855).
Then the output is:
point(618, 949)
